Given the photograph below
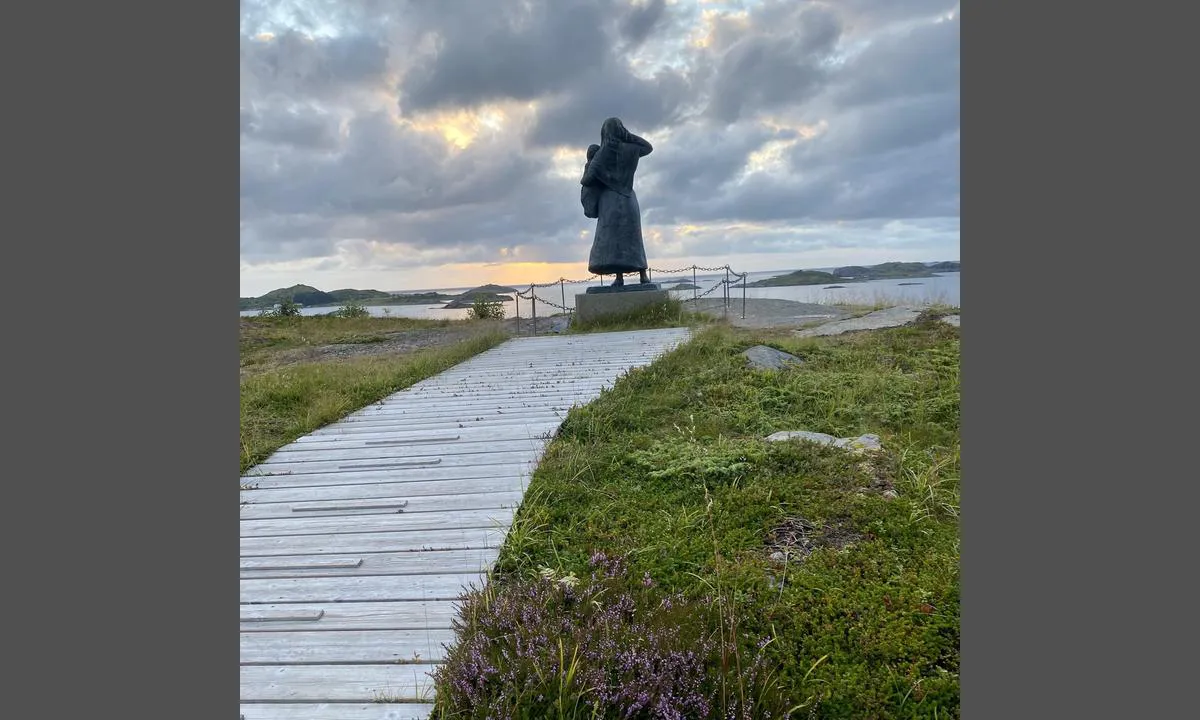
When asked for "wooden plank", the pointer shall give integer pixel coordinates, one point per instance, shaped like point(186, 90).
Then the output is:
point(394, 563)
point(336, 711)
point(353, 616)
point(415, 406)
point(319, 647)
point(502, 390)
point(358, 451)
point(370, 477)
point(410, 489)
point(402, 414)
point(257, 615)
point(376, 588)
point(345, 543)
point(301, 562)
point(550, 416)
point(499, 384)
point(384, 505)
point(462, 460)
point(407, 522)
point(336, 683)
point(502, 387)
point(401, 434)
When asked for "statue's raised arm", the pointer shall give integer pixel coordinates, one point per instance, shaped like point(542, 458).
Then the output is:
point(643, 145)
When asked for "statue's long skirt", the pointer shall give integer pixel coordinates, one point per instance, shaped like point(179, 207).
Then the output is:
point(618, 246)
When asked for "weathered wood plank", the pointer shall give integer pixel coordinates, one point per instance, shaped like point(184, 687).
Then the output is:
point(351, 616)
point(394, 563)
point(417, 407)
point(444, 520)
point(410, 463)
point(400, 434)
point(486, 391)
point(300, 562)
point(401, 416)
point(255, 615)
point(436, 473)
point(336, 711)
point(385, 489)
point(349, 543)
point(406, 452)
point(336, 683)
point(383, 505)
point(551, 415)
point(321, 647)
point(376, 588)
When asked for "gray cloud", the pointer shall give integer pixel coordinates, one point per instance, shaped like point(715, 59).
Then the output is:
point(779, 59)
point(641, 19)
point(291, 65)
point(514, 50)
point(305, 127)
point(340, 107)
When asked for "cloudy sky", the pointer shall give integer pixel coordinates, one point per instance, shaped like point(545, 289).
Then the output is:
point(416, 144)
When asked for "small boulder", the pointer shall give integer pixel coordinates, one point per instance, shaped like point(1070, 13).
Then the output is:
point(860, 444)
point(761, 357)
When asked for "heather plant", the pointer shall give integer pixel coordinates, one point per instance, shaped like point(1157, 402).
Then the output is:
point(603, 646)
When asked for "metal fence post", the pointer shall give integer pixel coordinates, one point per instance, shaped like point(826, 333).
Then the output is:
point(743, 296)
point(533, 299)
point(517, 302)
point(695, 287)
point(562, 288)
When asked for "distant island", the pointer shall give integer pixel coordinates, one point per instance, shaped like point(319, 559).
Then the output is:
point(309, 296)
point(489, 293)
point(858, 273)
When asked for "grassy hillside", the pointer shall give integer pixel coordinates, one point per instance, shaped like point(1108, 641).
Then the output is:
point(667, 558)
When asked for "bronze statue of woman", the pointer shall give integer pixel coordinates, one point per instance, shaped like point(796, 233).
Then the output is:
point(617, 248)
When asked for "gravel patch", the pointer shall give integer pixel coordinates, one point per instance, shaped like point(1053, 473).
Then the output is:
point(767, 312)
point(886, 318)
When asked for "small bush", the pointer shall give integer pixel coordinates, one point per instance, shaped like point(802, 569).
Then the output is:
point(287, 308)
point(351, 310)
point(486, 309)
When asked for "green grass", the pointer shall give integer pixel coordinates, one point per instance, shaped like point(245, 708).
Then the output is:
point(261, 338)
point(669, 469)
point(670, 313)
point(281, 404)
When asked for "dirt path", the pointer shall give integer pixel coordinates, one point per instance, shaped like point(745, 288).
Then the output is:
point(768, 312)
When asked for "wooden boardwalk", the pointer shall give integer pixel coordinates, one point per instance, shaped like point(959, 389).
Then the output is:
point(356, 540)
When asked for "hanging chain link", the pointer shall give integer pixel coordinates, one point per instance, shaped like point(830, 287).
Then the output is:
point(529, 294)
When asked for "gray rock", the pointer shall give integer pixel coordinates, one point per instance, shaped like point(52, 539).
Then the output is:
point(861, 443)
point(762, 357)
point(778, 557)
point(890, 494)
point(951, 320)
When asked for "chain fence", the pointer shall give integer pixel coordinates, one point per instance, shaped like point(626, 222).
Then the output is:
point(732, 277)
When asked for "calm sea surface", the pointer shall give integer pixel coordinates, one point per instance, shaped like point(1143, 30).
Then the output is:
point(943, 289)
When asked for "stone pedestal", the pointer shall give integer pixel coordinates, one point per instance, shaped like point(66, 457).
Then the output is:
point(605, 300)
